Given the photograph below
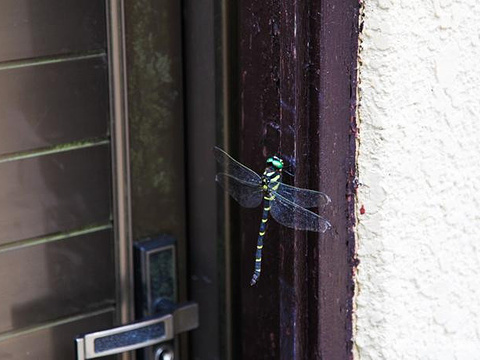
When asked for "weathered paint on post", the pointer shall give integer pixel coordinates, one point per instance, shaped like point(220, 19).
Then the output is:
point(298, 94)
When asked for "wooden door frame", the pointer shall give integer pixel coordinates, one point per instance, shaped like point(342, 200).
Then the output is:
point(297, 76)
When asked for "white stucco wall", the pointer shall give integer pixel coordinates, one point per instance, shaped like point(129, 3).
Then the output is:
point(418, 282)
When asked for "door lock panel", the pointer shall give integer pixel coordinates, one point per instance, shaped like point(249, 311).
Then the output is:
point(155, 304)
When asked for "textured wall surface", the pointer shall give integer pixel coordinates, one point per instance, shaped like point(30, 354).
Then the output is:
point(418, 293)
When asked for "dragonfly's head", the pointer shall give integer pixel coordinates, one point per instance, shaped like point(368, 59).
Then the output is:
point(276, 162)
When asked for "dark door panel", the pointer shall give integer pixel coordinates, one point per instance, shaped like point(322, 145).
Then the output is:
point(53, 103)
point(32, 28)
point(53, 343)
point(56, 279)
point(54, 193)
point(58, 269)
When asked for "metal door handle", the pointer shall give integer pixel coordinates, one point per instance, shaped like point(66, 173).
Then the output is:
point(139, 334)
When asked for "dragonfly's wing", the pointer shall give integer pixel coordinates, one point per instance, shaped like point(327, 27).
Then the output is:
point(296, 217)
point(247, 194)
point(232, 167)
point(303, 197)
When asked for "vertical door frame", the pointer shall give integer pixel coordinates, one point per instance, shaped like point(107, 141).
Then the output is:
point(136, 197)
point(120, 161)
point(297, 84)
point(209, 52)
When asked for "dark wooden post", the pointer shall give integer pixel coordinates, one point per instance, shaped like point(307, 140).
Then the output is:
point(297, 79)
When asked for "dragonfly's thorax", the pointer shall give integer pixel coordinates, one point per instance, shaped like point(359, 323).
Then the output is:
point(271, 179)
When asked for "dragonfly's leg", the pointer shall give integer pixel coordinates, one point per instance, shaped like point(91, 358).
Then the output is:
point(261, 234)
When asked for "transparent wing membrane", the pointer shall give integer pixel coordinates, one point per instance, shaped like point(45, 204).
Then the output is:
point(296, 217)
point(303, 197)
point(247, 194)
point(232, 167)
point(289, 204)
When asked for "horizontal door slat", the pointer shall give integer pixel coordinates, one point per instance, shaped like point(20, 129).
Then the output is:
point(33, 28)
point(57, 279)
point(53, 343)
point(53, 103)
point(54, 193)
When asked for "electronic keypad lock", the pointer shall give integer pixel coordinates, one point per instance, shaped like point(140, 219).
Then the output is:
point(155, 303)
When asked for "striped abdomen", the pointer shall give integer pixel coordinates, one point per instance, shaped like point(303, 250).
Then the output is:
point(270, 178)
point(261, 234)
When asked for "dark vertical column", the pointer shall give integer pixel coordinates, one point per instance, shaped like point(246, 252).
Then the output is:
point(332, 264)
point(259, 136)
point(298, 92)
point(205, 271)
point(300, 137)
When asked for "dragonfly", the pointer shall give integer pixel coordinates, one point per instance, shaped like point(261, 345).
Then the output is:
point(288, 205)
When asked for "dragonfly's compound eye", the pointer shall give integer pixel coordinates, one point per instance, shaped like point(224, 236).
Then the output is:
point(276, 162)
